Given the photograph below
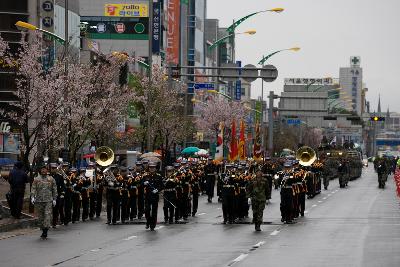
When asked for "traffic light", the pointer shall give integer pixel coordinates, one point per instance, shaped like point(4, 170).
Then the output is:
point(176, 72)
point(377, 118)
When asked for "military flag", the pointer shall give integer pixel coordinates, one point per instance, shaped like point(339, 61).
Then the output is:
point(257, 150)
point(242, 142)
point(233, 148)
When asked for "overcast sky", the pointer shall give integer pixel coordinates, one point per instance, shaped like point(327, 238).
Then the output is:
point(328, 32)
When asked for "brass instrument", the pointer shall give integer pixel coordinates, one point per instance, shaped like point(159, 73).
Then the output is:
point(104, 156)
point(306, 156)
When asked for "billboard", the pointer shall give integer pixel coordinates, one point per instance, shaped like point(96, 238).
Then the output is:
point(307, 81)
point(173, 33)
point(11, 143)
point(126, 10)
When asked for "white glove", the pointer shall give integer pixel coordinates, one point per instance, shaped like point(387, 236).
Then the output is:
point(155, 191)
point(146, 183)
point(249, 201)
point(62, 196)
point(33, 200)
point(54, 203)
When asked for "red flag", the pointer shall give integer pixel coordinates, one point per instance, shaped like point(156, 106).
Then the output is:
point(257, 152)
point(242, 142)
point(233, 149)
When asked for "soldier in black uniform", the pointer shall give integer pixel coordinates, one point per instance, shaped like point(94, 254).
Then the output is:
point(76, 196)
point(195, 188)
point(58, 209)
point(152, 183)
point(92, 190)
point(287, 194)
point(228, 195)
point(112, 194)
point(85, 184)
point(133, 184)
point(68, 193)
point(169, 195)
point(185, 183)
point(179, 178)
point(99, 188)
point(210, 172)
point(242, 209)
point(124, 193)
point(140, 199)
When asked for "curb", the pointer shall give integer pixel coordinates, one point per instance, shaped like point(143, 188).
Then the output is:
point(27, 221)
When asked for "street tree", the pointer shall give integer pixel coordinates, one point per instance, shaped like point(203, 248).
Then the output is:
point(38, 93)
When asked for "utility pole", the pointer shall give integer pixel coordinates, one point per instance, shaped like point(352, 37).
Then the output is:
point(66, 141)
point(150, 61)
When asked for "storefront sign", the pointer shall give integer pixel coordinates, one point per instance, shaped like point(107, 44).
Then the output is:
point(173, 33)
point(126, 10)
point(156, 27)
point(5, 127)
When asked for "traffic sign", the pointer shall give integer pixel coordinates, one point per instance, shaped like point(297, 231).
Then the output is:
point(202, 86)
point(249, 73)
point(269, 73)
point(293, 121)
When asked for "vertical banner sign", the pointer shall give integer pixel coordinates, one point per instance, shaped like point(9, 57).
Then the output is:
point(156, 27)
point(173, 33)
point(219, 151)
point(47, 15)
point(238, 84)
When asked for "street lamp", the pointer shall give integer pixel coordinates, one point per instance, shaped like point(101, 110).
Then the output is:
point(231, 29)
point(27, 26)
point(262, 62)
point(219, 41)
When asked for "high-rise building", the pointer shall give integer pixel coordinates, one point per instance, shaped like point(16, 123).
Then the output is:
point(351, 81)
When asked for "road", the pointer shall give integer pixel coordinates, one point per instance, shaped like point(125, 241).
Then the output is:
point(356, 226)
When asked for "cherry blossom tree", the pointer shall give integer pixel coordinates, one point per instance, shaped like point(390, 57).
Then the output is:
point(218, 110)
point(39, 93)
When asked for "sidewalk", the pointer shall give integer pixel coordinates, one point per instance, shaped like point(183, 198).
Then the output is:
point(9, 224)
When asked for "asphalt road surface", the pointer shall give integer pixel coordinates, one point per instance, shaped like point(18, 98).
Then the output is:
point(356, 226)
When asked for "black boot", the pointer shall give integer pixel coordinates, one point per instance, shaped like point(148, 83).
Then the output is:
point(257, 227)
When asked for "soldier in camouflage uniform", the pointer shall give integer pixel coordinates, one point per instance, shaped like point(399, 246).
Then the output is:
point(257, 191)
point(44, 195)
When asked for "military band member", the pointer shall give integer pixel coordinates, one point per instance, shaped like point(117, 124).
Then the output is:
point(140, 199)
point(92, 189)
point(169, 195)
point(68, 192)
point(124, 192)
point(99, 187)
point(228, 195)
point(112, 194)
point(287, 194)
point(195, 188)
point(58, 210)
point(44, 196)
point(76, 197)
point(152, 183)
point(84, 190)
point(210, 172)
point(133, 185)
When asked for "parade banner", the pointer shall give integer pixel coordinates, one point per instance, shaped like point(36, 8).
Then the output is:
point(257, 152)
point(219, 152)
point(242, 142)
point(233, 148)
point(173, 32)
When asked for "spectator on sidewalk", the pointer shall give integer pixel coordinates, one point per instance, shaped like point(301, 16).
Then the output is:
point(17, 179)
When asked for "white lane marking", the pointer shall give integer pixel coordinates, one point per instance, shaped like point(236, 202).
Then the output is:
point(95, 250)
point(259, 244)
point(159, 227)
point(333, 192)
point(275, 232)
point(241, 257)
point(201, 214)
point(313, 206)
point(329, 195)
point(324, 198)
point(218, 208)
point(130, 238)
point(319, 201)
point(305, 212)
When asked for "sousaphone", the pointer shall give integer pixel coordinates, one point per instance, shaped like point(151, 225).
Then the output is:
point(104, 156)
point(306, 156)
